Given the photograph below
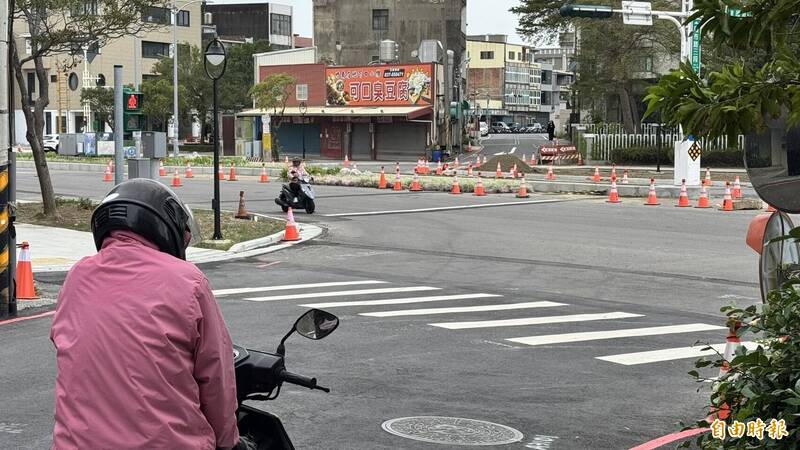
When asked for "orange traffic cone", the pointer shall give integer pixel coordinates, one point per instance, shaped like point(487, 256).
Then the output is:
point(737, 188)
point(439, 168)
point(242, 212)
point(189, 173)
point(580, 159)
point(107, 175)
point(176, 179)
point(499, 172)
point(479, 191)
point(550, 175)
point(478, 162)
point(596, 176)
point(524, 161)
point(683, 199)
point(514, 171)
point(613, 172)
point(533, 160)
point(732, 343)
point(346, 161)
point(25, 287)
point(613, 195)
point(162, 171)
point(382, 182)
point(398, 185)
point(707, 180)
point(625, 176)
point(523, 189)
point(652, 199)
point(415, 186)
point(456, 189)
point(702, 202)
point(291, 233)
point(455, 163)
point(221, 174)
point(264, 178)
point(727, 202)
point(232, 174)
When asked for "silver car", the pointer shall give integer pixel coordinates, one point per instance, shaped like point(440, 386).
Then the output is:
point(50, 142)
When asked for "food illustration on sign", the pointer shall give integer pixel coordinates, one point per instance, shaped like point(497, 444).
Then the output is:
point(379, 85)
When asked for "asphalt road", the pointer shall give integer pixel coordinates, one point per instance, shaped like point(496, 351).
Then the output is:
point(431, 334)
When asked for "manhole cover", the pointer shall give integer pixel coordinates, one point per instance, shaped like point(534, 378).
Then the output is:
point(452, 430)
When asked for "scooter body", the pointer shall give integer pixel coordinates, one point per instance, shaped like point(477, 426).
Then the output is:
point(299, 196)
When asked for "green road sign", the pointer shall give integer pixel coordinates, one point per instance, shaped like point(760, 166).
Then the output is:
point(696, 45)
point(592, 11)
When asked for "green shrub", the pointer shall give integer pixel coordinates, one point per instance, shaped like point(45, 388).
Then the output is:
point(647, 156)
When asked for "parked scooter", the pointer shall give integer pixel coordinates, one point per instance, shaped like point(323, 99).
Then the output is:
point(260, 375)
point(297, 195)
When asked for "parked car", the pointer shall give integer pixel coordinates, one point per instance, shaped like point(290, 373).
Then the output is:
point(484, 127)
point(50, 142)
point(535, 128)
point(516, 127)
point(500, 127)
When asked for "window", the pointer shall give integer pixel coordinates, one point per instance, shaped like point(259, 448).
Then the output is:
point(380, 19)
point(519, 56)
point(281, 24)
point(28, 46)
point(86, 8)
point(154, 49)
point(648, 64)
point(301, 92)
point(157, 15)
point(54, 78)
point(487, 55)
point(511, 56)
point(182, 18)
point(31, 85)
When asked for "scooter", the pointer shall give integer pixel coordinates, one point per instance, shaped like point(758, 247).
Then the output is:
point(260, 375)
point(303, 199)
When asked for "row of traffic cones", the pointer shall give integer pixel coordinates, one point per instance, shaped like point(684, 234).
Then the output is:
point(176, 179)
point(683, 199)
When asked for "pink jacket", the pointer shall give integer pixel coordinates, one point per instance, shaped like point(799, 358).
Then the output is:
point(144, 358)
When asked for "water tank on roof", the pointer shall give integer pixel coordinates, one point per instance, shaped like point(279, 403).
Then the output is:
point(389, 51)
point(430, 50)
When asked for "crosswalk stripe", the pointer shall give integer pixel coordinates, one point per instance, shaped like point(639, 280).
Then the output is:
point(343, 293)
point(461, 309)
point(613, 334)
point(534, 320)
point(221, 292)
point(399, 301)
point(669, 354)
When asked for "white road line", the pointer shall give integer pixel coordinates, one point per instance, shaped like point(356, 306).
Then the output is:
point(447, 208)
point(400, 301)
point(513, 149)
point(613, 334)
point(460, 309)
point(343, 293)
point(499, 153)
point(669, 354)
point(222, 292)
point(534, 320)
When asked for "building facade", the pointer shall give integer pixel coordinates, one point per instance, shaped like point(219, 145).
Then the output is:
point(136, 54)
point(260, 21)
point(358, 26)
point(503, 83)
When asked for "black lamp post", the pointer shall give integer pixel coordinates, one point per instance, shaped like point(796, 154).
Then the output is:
point(214, 65)
point(303, 109)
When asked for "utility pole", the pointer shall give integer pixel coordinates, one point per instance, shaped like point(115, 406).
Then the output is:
point(119, 126)
point(7, 303)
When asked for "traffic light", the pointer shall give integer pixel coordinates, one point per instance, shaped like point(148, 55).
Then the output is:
point(591, 11)
point(132, 111)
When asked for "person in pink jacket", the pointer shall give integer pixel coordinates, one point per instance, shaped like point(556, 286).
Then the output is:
point(144, 358)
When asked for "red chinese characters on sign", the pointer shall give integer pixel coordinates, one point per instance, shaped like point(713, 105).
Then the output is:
point(380, 85)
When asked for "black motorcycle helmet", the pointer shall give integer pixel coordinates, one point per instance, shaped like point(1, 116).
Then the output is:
point(149, 209)
point(296, 162)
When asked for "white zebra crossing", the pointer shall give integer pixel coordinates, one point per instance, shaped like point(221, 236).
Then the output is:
point(237, 291)
point(462, 309)
point(613, 334)
point(400, 301)
point(343, 293)
point(534, 321)
point(669, 354)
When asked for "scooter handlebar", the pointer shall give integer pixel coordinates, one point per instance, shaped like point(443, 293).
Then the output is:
point(301, 380)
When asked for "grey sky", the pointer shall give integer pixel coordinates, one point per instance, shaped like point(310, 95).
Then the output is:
point(483, 17)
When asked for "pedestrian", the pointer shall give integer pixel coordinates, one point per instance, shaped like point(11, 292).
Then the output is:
point(143, 354)
point(551, 130)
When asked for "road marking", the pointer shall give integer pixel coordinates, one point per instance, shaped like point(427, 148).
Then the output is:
point(22, 319)
point(669, 354)
point(613, 334)
point(263, 266)
point(534, 321)
point(499, 153)
point(449, 208)
point(343, 293)
point(222, 292)
point(513, 149)
point(664, 440)
point(400, 301)
point(460, 309)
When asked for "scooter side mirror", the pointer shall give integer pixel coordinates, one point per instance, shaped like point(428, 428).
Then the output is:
point(313, 324)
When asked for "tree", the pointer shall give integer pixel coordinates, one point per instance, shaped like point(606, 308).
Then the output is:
point(101, 102)
point(604, 69)
point(61, 27)
point(238, 78)
point(272, 93)
point(157, 105)
point(763, 81)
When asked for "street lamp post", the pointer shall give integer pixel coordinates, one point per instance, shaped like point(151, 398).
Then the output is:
point(175, 123)
point(216, 61)
point(303, 109)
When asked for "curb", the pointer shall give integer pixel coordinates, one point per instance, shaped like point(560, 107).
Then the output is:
point(307, 233)
point(100, 168)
